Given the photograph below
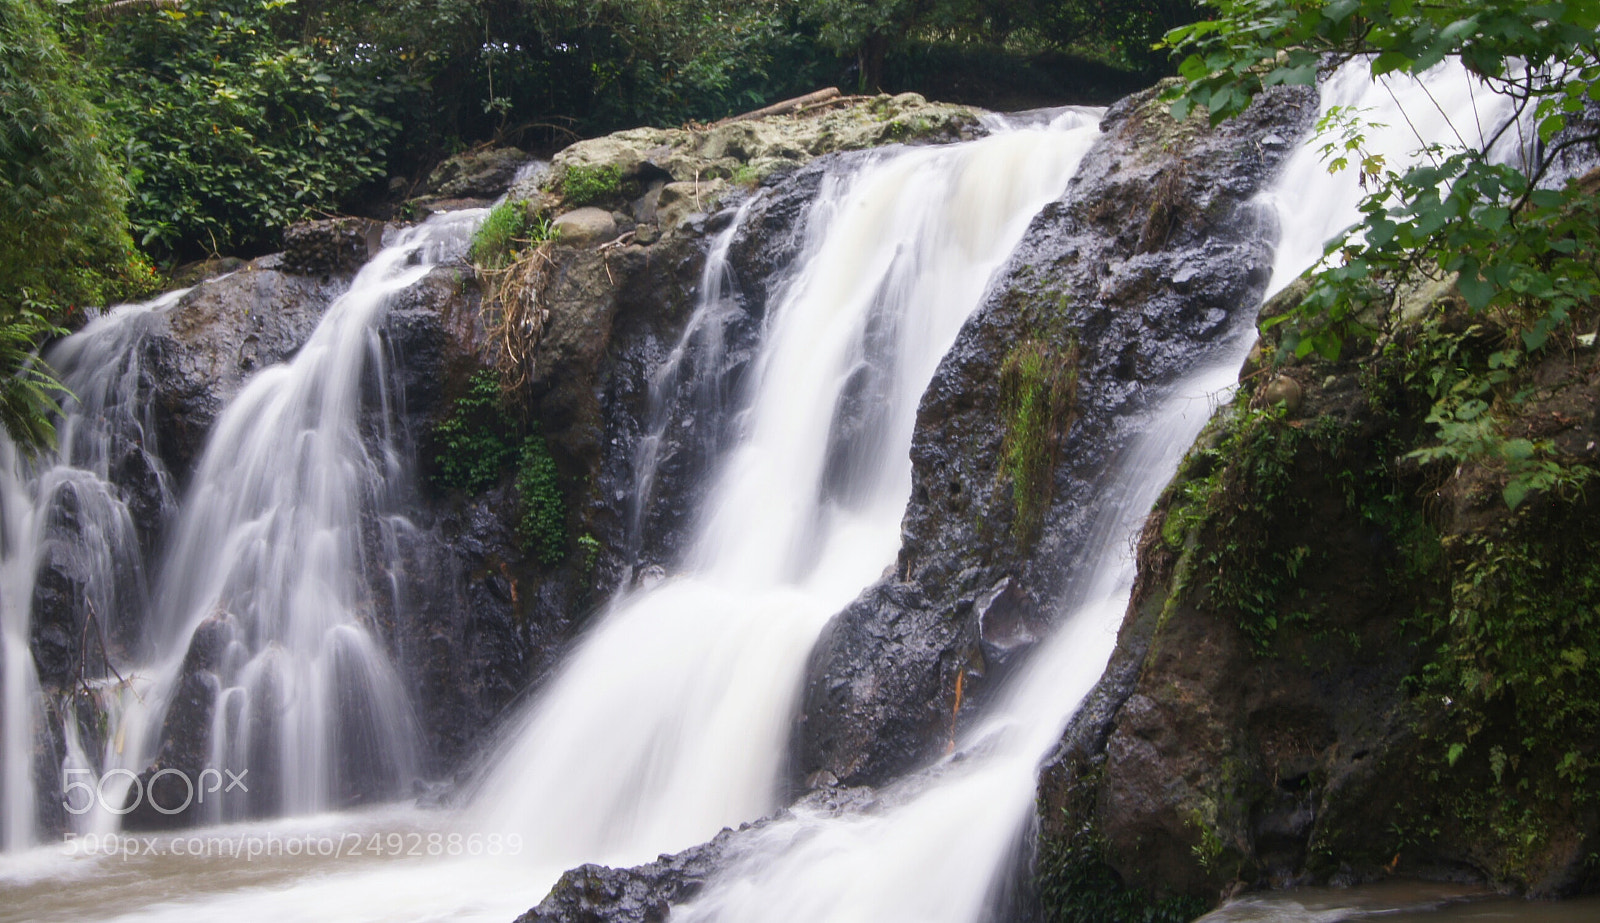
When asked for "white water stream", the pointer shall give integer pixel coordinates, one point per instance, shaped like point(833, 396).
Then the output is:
point(64, 501)
point(670, 719)
point(942, 850)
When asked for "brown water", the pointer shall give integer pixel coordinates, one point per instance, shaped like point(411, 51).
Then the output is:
point(1401, 902)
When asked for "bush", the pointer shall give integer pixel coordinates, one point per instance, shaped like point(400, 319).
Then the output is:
point(587, 185)
point(234, 128)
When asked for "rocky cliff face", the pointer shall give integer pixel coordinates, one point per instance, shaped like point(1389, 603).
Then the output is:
point(1153, 257)
point(1302, 688)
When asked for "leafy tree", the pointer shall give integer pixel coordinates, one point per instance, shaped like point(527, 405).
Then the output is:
point(61, 196)
point(1526, 251)
point(235, 127)
point(63, 237)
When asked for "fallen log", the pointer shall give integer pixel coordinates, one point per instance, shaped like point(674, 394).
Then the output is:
point(788, 105)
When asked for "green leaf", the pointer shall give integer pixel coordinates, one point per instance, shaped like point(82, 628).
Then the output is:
point(1477, 292)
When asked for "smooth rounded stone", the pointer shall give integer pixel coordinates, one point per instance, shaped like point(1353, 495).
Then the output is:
point(585, 227)
point(1283, 390)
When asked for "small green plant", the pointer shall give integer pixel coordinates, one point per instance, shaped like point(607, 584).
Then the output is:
point(470, 448)
point(505, 233)
point(542, 526)
point(746, 175)
point(495, 240)
point(590, 546)
point(587, 185)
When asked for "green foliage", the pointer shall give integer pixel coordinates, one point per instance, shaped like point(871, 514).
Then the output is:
point(542, 526)
point(470, 445)
point(475, 445)
point(1254, 44)
point(1037, 391)
point(588, 185)
point(62, 222)
point(874, 32)
point(1526, 255)
point(1076, 886)
point(28, 387)
point(63, 229)
point(233, 126)
point(1519, 641)
point(1248, 496)
point(590, 547)
point(508, 228)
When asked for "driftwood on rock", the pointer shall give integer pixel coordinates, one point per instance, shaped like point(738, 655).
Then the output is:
point(130, 7)
point(788, 105)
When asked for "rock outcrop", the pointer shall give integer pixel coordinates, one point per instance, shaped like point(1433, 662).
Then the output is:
point(1153, 256)
point(645, 894)
point(1301, 689)
point(218, 335)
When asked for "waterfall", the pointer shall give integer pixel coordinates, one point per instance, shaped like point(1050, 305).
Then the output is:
point(64, 503)
point(269, 562)
point(940, 849)
point(671, 719)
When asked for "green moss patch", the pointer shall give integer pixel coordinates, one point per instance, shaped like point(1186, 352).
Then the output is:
point(1038, 388)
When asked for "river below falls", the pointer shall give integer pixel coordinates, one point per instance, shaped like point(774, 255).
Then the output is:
point(409, 864)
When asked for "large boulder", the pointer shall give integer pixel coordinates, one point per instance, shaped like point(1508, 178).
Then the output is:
point(1272, 715)
point(217, 336)
point(478, 174)
point(333, 245)
point(692, 170)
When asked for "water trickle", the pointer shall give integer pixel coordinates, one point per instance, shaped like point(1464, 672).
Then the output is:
point(62, 509)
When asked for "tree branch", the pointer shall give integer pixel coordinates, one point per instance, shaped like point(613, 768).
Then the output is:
point(119, 8)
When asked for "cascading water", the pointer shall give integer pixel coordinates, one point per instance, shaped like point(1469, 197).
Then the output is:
point(268, 567)
point(941, 851)
point(670, 721)
point(64, 504)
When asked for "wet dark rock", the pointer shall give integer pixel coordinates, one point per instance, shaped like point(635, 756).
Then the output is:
point(199, 354)
point(170, 792)
point(645, 894)
point(479, 174)
point(1153, 256)
point(334, 245)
